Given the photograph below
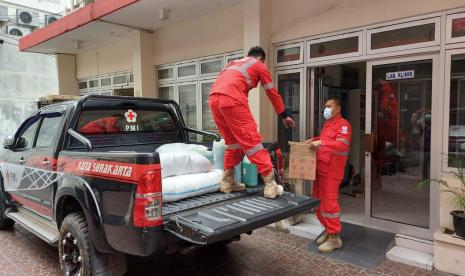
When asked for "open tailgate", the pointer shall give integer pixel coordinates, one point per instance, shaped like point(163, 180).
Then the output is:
point(229, 218)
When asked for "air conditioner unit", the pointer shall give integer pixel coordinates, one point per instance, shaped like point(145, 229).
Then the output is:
point(28, 18)
point(3, 13)
point(49, 19)
point(18, 31)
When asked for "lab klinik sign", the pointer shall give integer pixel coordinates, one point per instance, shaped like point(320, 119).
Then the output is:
point(399, 75)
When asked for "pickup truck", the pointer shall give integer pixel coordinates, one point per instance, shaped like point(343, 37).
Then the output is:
point(84, 176)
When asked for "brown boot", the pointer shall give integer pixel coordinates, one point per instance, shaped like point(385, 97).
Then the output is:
point(272, 189)
point(332, 243)
point(228, 184)
point(322, 238)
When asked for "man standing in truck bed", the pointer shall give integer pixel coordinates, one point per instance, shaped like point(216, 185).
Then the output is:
point(231, 112)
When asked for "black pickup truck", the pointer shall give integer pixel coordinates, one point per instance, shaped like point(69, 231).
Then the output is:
point(84, 176)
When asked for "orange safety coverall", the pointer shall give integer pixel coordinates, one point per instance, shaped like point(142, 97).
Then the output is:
point(332, 157)
point(231, 113)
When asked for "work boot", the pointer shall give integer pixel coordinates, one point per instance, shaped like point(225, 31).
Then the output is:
point(272, 189)
point(228, 184)
point(332, 243)
point(322, 237)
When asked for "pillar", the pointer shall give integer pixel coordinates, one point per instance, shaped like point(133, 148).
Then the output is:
point(142, 63)
point(66, 68)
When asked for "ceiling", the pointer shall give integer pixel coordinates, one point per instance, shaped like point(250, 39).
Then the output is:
point(143, 14)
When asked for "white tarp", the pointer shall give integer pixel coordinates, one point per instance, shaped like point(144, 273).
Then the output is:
point(182, 163)
point(175, 147)
point(184, 186)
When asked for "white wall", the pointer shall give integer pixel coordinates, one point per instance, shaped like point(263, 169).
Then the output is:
point(51, 6)
point(24, 77)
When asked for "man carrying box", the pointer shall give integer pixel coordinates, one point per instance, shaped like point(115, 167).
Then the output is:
point(332, 153)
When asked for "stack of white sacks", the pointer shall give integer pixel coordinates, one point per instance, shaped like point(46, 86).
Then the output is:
point(186, 171)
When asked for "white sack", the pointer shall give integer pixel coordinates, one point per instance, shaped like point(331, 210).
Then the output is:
point(184, 186)
point(180, 147)
point(183, 162)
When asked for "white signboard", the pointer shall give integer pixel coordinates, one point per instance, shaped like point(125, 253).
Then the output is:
point(399, 75)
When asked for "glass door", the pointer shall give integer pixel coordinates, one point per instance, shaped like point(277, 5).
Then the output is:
point(290, 86)
point(399, 119)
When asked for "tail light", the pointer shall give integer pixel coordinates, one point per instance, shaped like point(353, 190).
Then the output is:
point(148, 201)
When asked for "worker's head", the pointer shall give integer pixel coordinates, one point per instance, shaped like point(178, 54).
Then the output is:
point(332, 108)
point(257, 52)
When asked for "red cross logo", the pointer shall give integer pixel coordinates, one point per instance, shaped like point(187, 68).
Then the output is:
point(131, 116)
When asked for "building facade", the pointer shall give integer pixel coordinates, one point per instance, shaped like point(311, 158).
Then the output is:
point(398, 66)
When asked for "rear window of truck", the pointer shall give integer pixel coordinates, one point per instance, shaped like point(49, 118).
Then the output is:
point(116, 127)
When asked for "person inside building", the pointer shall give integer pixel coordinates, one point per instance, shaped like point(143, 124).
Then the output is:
point(231, 113)
point(332, 153)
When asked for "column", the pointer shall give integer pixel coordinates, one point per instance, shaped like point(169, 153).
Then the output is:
point(256, 33)
point(142, 63)
point(66, 69)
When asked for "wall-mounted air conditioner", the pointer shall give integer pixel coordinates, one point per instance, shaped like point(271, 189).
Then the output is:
point(3, 13)
point(49, 19)
point(28, 18)
point(18, 31)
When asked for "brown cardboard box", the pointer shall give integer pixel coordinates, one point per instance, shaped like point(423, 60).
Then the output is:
point(302, 161)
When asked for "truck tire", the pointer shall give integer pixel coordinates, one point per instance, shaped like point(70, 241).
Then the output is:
point(74, 246)
point(78, 255)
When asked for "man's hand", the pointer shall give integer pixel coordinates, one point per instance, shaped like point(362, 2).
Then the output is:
point(315, 144)
point(288, 122)
point(308, 141)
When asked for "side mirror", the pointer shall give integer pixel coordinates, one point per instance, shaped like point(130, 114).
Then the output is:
point(21, 143)
point(8, 142)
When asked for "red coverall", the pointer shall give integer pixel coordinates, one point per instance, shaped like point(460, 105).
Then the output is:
point(102, 125)
point(231, 112)
point(332, 157)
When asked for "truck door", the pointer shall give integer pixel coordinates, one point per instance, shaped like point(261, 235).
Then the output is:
point(41, 164)
point(13, 167)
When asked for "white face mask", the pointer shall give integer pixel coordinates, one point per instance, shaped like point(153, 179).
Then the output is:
point(328, 113)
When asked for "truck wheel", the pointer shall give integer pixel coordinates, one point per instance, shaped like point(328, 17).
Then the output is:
point(74, 246)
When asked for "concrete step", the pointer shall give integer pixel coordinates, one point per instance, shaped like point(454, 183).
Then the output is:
point(410, 257)
point(417, 244)
point(306, 230)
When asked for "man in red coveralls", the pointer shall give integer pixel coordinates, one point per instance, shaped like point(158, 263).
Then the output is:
point(103, 125)
point(332, 153)
point(231, 112)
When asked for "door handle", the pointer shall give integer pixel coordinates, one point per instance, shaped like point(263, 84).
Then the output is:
point(46, 162)
point(22, 161)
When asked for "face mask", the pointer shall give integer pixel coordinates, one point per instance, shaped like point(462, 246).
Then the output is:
point(327, 113)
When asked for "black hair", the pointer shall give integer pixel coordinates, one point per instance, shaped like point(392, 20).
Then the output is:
point(257, 52)
point(336, 100)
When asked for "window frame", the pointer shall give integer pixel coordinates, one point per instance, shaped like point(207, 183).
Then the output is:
point(436, 42)
point(167, 80)
point(200, 124)
point(227, 57)
point(287, 46)
point(197, 98)
point(450, 18)
point(359, 52)
point(446, 107)
point(176, 96)
point(184, 64)
point(207, 60)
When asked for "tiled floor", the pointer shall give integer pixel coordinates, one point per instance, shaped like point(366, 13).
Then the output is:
point(265, 252)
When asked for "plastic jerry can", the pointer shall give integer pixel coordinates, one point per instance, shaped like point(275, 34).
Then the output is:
point(219, 148)
point(249, 173)
point(238, 172)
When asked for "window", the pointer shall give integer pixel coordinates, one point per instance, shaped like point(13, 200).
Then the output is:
point(187, 70)
point(93, 83)
point(48, 130)
point(457, 110)
point(188, 103)
point(211, 67)
point(208, 123)
point(166, 92)
point(455, 28)
point(334, 47)
point(27, 134)
point(289, 54)
point(120, 80)
point(165, 73)
point(83, 85)
point(105, 82)
point(416, 34)
point(233, 57)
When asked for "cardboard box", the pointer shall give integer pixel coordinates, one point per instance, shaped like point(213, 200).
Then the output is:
point(302, 161)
